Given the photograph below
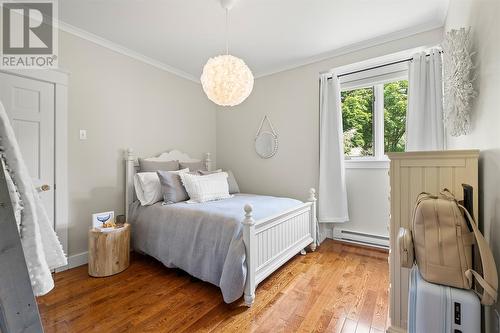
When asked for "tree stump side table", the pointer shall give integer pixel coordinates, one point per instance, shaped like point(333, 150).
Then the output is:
point(109, 252)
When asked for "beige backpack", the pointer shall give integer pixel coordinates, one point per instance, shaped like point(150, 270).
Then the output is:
point(442, 243)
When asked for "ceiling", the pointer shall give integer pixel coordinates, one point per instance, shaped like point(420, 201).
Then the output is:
point(270, 35)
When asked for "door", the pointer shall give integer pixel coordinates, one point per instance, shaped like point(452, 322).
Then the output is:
point(30, 106)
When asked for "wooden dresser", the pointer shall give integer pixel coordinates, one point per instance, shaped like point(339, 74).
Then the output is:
point(410, 174)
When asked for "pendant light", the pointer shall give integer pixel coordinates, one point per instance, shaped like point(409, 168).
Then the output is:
point(226, 79)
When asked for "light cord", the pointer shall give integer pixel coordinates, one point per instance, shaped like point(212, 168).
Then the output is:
point(227, 31)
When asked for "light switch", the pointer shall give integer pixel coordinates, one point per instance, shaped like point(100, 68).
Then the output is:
point(83, 134)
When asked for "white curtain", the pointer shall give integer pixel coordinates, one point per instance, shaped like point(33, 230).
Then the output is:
point(332, 201)
point(424, 119)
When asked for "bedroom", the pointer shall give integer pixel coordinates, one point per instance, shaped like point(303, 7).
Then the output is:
point(128, 77)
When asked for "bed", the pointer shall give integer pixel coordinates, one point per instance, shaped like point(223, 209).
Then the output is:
point(232, 243)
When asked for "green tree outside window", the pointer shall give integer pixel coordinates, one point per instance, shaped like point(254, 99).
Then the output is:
point(358, 119)
point(395, 106)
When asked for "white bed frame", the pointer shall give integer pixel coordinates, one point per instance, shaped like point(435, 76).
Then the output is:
point(269, 242)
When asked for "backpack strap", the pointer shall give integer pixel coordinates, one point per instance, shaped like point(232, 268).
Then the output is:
point(448, 194)
point(489, 280)
point(488, 289)
point(423, 196)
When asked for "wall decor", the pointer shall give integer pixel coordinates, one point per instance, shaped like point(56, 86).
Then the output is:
point(105, 221)
point(458, 80)
point(266, 143)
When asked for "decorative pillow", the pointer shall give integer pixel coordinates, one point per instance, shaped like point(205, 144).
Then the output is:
point(171, 186)
point(194, 166)
point(204, 172)
point(146, 165)
point(231, 181)
point(148, 187)
point(206, 188)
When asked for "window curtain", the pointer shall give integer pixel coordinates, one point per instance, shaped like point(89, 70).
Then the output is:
point(332, 201)
point(424, 119)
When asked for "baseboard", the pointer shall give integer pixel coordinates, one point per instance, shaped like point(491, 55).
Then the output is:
point(75, 261)
point(394, 329)
point(78, 259)
point(357, 237)
point(325, 231)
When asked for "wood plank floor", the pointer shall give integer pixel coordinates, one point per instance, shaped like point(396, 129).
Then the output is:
point(339, 288)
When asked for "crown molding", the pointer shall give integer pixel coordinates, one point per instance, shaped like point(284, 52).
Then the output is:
point(438, 29)
point(124, 50)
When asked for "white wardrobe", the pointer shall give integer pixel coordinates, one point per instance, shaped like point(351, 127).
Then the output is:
point(410, 174)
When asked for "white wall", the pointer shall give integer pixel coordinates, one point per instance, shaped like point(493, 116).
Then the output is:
point(483, 16)
point(291, 100)
point(122, 103)
point(368, 200)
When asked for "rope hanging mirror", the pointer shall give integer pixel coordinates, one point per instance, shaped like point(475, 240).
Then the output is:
point(266, 142)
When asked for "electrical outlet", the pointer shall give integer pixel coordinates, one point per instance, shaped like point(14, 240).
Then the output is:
point(83, 134)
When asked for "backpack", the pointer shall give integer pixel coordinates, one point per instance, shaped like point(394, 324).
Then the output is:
point(441, 242)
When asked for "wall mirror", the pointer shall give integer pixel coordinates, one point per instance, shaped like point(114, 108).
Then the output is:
point(266, 142)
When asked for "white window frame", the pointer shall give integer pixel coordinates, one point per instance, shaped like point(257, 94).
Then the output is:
point(375, 78)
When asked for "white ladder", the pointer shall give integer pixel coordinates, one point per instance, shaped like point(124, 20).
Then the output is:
point(18, 307)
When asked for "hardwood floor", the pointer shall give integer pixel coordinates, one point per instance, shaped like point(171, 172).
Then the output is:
point(339, 288)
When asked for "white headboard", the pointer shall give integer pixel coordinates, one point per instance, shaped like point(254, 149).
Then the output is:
point(132, 165)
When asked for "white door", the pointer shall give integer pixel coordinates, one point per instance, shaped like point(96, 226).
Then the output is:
point(30, 106)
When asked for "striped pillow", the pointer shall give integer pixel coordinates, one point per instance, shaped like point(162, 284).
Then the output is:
point(206, 188)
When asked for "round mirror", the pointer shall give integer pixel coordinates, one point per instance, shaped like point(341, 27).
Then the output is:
point(266, 144)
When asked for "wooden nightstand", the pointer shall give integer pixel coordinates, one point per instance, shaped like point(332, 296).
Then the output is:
point(109, 252)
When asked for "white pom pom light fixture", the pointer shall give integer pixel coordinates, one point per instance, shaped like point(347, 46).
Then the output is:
point(226, 79)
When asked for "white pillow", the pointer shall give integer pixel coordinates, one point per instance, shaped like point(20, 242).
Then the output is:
point(206, 188)
point(148, 188)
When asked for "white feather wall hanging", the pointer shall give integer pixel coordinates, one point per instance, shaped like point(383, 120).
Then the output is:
point(458, 81)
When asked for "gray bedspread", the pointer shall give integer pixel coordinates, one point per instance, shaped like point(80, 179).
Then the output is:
point(204, 239)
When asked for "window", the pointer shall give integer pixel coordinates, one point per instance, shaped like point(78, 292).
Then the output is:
point(374, 118)
point(357, 121)
point(395, 106)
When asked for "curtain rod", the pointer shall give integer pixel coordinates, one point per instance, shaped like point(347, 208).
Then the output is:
point(379, 66)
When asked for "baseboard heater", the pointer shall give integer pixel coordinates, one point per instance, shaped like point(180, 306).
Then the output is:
point(361, 238)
